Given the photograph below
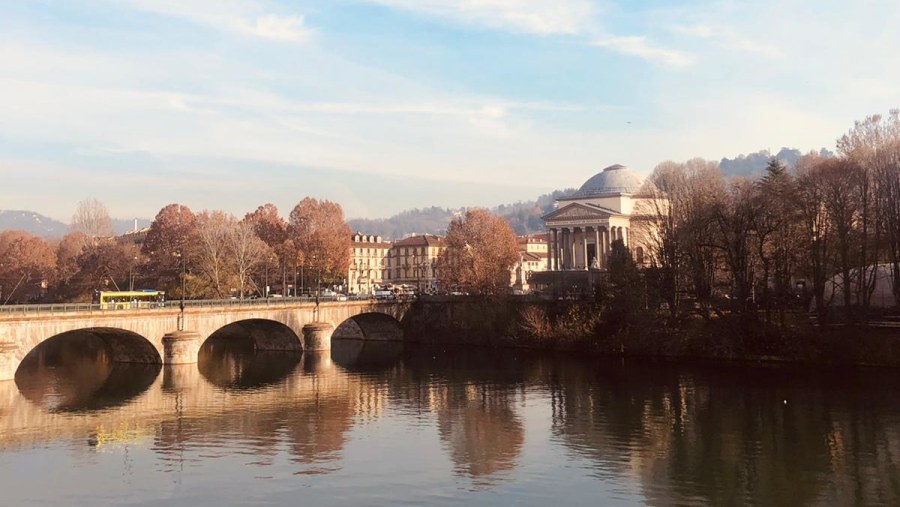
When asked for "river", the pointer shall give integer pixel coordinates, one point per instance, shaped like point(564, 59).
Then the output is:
point(384, 424)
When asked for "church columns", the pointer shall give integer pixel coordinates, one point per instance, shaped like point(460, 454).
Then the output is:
point(584, 243)
point(563, 249)
point(571, 245)
point(551, 246)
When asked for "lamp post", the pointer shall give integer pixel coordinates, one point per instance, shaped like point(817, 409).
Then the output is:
point(266, 295)
point(131, 274)
point(183, 288)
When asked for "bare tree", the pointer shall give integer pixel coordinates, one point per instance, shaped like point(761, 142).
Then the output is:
point(214, 231)
point(92, 219)
point(874, 146)
point(816, 228)
point(247, 251)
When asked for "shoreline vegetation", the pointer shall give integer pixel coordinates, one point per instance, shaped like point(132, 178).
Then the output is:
point(585, 327)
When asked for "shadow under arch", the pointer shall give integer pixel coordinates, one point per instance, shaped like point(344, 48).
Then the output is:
point(365, 355)
point(249, 354)
point(262, 334)
point(88, 370)
point(370, 326)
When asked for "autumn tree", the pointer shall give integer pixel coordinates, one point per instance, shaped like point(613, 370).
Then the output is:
point(172, 234)
point(27, 266)
point(321, 236)
point(107, 266)
point(273, 229)
point(92, 219)
point(481, 251)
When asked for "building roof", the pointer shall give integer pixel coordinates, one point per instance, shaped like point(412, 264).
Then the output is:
point(615, 179)
point(423, 240)
point(533, 256)
point(533, 238)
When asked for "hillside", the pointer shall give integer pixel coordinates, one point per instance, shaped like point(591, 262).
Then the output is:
point(523, 216)
point(46, 227)
point(754, 165)
point(33, 223)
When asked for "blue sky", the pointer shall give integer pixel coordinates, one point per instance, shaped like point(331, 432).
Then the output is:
point(385, 105)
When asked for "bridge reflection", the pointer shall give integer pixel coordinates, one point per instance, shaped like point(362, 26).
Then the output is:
point(683, 435)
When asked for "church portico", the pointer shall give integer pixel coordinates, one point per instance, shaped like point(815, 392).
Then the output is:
point(583, 228)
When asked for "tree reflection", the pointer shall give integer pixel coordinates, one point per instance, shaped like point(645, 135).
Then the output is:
point(742, 436)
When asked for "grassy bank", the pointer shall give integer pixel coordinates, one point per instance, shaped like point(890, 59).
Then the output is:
point(583, 326)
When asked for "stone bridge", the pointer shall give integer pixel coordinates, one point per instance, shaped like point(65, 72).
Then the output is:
point(155, 336)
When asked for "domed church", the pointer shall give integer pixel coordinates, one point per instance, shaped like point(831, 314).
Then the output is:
point(585, 224)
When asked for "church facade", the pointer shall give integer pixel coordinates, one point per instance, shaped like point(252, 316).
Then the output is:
point(606, 208)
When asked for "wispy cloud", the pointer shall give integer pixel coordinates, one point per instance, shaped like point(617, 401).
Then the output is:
point(639, 46)
point(541, 17)
point(729, 38)
point(240, 16)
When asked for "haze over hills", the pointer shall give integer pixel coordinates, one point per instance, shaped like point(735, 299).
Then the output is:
point(32, 223)
point(46, 227)
point(523, 216)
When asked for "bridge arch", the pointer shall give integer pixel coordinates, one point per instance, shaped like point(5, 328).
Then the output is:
point(264, 334)
point(369, 326)
point(118, 345)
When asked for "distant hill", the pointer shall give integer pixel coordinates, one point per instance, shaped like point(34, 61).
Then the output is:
point(33, 223)
point(754, 165)
point(46, 227)
point(523, 216)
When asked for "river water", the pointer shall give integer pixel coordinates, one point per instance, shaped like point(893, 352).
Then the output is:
point(380, 424)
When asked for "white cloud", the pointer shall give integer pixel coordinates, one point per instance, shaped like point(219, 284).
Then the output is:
point(270, 26)
point(640, 47)
point(541, 17)
point(729, 38)
point(239, 16)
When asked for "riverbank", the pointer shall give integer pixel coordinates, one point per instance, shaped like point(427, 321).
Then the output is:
point(585, 328)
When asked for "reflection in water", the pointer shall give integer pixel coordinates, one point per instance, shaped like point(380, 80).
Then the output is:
point(74, 373)
point(776, 436)
point(362, 355)
point(233, 364)
point(489, 421)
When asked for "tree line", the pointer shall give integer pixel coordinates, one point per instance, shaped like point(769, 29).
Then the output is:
point(211, 254)
point(818, 235)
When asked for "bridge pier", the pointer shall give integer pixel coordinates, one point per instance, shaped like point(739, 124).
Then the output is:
point(317, 336)
point(181, 347)
point(9, 363)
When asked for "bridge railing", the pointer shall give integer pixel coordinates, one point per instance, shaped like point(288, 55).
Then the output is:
point(168, 305)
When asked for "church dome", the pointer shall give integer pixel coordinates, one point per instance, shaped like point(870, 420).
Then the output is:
point(615, 179)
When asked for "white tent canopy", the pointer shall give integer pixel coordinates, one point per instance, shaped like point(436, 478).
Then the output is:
point(882, 296)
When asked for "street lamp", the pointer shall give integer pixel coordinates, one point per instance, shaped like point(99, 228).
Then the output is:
point(131, 274)
point(183, 287)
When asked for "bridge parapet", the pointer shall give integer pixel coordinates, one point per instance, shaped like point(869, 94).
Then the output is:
point(144, 329)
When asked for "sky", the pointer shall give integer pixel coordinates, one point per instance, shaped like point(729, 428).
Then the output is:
point(386, 105)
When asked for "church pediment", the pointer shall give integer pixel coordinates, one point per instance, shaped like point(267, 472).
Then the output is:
point(578, 211)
